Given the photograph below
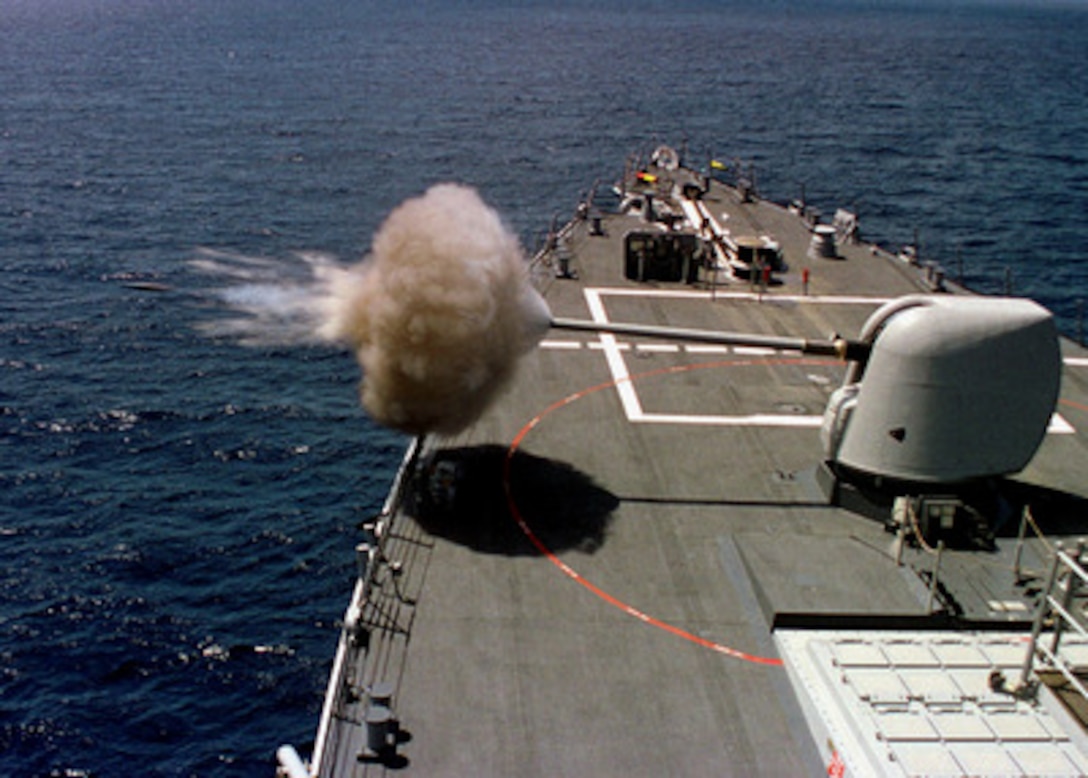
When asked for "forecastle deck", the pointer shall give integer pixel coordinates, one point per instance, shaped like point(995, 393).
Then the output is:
point(617, 570)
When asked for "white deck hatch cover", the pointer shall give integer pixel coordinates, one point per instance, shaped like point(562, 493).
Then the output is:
point(919, 703)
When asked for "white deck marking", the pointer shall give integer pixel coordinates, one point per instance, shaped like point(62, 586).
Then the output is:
point(700, 349)
point(662, 348)
point(1059, 426)
point(629, 399)
point(766, 299)
point(569, 345)
point(751, 420)
point(1076, 361)
point(696, 348)
point(626, 389)
point(596, 345)
point(659, 348)
point(632, 406)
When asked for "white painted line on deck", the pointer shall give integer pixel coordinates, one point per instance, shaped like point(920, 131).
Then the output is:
point(568, 345)
point(1059, 426)
point(626, 390)
point(598, 345)
point(659, 348)
point(700, 349)
point(754, 351)
point(632, 406)
point(750, 420)
point(692, 294)
point(696, 348)
point(1076, 361)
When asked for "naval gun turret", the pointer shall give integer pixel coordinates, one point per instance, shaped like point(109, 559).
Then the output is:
point(940, 391)
point(954, 389)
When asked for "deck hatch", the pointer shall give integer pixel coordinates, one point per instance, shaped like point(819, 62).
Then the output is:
point(932, 688)
point(962, 726)
point(904, 726)
point(986, 759)
point(1041, 760)
point(857, 654)
point(959, 654)
point(1014, 726)
point(929, 760)
point(910, 654)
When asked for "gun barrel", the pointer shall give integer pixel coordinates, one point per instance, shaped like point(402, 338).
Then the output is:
point(840, 347)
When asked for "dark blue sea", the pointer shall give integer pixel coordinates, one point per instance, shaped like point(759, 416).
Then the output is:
point(178, 511)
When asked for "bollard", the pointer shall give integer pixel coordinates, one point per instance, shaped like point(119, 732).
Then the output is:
point(379, 722)
point(381, 694)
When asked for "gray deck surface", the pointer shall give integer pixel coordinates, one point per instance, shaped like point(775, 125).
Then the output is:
point(504, 664)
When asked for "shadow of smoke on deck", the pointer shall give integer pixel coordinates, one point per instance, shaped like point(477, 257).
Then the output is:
point(459, 494)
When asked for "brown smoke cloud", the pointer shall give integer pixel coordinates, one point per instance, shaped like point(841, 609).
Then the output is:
point(438, 314)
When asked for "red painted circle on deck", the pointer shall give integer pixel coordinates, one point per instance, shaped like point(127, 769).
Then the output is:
point(577, 577)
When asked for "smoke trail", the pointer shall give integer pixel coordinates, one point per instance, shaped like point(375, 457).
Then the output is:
point(437, 315)
point(271, 302)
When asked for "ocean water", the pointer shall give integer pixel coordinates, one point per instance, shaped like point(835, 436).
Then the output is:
point(178, 511)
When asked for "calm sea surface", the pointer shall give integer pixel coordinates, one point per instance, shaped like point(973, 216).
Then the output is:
point(177, 512)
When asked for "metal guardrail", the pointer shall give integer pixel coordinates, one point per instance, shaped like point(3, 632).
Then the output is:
point(368, 553)
point(1066, 577)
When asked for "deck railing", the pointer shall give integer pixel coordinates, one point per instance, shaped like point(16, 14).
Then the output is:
point(1056, 609)
point(368, 553)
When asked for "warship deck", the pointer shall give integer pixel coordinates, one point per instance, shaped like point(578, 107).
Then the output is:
point(629, 565)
